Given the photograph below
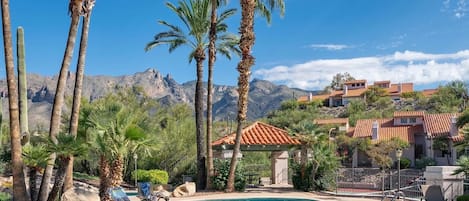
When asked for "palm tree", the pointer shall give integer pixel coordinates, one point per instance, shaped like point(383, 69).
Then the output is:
point(75, 10)
point(309, 134)
point(118, 134)
point(463, 163)
point(248, 7)
point(87, 8)
point(212, 51)
point(19, 185)
point(35, 157)
point(65, 147)
point(196, 17)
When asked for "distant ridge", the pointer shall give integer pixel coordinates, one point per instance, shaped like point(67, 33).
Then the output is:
point(264, 95)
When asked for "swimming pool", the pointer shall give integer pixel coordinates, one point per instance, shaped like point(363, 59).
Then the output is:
point(264, 199)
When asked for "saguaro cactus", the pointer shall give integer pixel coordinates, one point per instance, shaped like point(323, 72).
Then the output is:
point(22, 86)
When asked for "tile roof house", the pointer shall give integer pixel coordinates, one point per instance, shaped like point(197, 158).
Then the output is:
point(355, 89)
point(417, 128)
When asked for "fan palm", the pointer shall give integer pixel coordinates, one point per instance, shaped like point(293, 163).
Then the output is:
point(65, 147)
point(248, 8)
point(463, 163)
point(35, 158)
point(195, 15)
point(117, 135)
point(19, 185)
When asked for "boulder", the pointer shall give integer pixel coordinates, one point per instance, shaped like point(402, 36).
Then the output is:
point(81, 192)
point(187, 189)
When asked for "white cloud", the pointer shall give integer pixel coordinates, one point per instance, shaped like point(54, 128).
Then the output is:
point(329, 46)
point(407, 66)
point(458, 8)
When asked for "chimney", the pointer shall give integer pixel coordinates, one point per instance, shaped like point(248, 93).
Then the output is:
point(310, 97)
point(399, 88)
point(374, 130)
point(345, 89)
point(454, 128)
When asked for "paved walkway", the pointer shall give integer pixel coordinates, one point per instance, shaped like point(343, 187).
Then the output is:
point(274, 191)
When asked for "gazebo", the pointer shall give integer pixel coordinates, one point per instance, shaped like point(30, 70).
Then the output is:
point(261, 137)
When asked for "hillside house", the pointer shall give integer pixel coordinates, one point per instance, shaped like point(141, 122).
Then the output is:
point(355, 89)
point(417, 128)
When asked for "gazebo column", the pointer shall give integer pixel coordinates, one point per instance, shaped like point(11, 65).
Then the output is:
point(279, 161)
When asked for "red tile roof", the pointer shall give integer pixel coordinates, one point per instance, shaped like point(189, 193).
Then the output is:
point(438, 124)
point(331, 121)
point(259, 133)
point(387, 130)
point(303, 99)
point(409, 114)
point(429, 92)
point(458, 138)
point(355, 92)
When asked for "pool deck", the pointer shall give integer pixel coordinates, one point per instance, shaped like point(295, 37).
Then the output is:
point(269, 191)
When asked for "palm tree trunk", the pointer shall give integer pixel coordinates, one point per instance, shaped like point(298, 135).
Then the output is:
point(244, 69)
point(19, 185)
point(59, 94)
point(199, 121)
point(77, 94)
point(59, 178)
point(304, 159)
point(32, 183)
point(116, 171)
point(104, 174)
point(211, 63)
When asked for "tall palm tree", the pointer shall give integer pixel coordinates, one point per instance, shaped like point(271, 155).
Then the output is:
point(195, 15)
point(248, 7)
point(75, 10)
point(212, 51)
point(19, 185)
point(87, 8)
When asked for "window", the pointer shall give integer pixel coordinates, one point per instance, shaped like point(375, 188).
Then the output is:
point(403, 120)
point(413, 120)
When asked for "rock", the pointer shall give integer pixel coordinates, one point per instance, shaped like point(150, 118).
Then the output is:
point(81, 192)
point(187, 189)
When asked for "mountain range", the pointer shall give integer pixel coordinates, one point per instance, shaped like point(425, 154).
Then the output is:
point(264, 96)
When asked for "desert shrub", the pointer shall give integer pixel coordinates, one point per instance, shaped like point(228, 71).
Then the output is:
point(463, 198)
point(405, 163)
point(153, 176)
point(222, 169)
point(424, 162)
point(5, 196)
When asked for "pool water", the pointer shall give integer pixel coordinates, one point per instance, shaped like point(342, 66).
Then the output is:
point(264, 199)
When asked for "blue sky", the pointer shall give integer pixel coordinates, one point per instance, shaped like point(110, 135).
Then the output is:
point(420, 41)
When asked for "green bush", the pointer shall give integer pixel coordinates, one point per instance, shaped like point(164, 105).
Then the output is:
point(5, 196)
point(153, 176)
point(405, 163)
point(222, 169)
point(424, 162)
point(463, 198)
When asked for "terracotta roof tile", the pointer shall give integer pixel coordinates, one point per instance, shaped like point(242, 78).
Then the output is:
point(259, 133)
point(303, 99)
point(429, 92)
point(438, 124)
point(387, 130)
point(409, 113)
point(331, 121)
point(458, 138)
point(350, 131)
point(355, 92)
point(321, 97)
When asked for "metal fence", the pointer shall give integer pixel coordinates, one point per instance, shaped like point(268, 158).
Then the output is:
point(374, 182)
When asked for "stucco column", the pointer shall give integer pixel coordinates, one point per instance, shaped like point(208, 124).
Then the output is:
point(279, 164)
